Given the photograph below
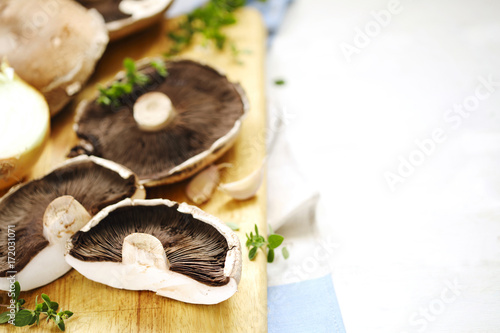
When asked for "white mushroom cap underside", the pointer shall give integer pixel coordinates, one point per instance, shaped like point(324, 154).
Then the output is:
point(163, 282)
point(48, 265)
point(138, 10)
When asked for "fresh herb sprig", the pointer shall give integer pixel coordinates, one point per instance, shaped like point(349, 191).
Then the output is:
point(25, 317)
point(207, 20)
point(257, 241)
point(111, 95)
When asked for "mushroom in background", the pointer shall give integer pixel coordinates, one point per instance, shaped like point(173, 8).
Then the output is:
point(45, 212)
point(169, 129)
point(53, 45)
point(175, 250)
point(24, 126)
point(125, 17)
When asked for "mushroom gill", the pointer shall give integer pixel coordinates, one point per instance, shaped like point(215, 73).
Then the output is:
point(193, 248)
point(92, 185)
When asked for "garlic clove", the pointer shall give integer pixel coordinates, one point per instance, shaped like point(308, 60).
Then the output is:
point(202, 186)
point(246, 187)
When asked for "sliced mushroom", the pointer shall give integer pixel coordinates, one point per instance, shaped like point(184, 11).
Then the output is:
point(42, 214)
point(176, 250)
point(168, 130)
point(24, 126)
point(52, 45)
point(124, 17)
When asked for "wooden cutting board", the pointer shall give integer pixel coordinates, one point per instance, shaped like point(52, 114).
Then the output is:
point(99, 308)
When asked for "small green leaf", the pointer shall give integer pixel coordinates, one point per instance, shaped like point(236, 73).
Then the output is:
point(21, 301)
point(256, 230)
point(252, 253)
point(39, 307)
point(66, 314)
point(279, 82)
point(160, 67)
point(23, 318)
point(17, 290)
point(233, 226)
point(275, 241)
point(46, 299)
point(4, 317)
point(45, 307)
point(270, 255)
point(61, 325)
point(249, 241)
point(285, 253)
point(129, 65)
point(54, 306)
point(258, 241)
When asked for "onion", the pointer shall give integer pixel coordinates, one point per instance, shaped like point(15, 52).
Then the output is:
point(24, 126)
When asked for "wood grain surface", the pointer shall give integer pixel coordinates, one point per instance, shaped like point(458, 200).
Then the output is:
point(99, 308)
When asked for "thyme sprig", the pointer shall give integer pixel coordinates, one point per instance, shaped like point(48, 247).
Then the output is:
point(207, 20)
point(111, 95)
point(21, 317)
point(257, 241)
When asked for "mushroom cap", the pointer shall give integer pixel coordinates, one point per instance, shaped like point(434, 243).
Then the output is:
point(176, 250)
point(92, 182)
point(207, 117)
point(52, 45)
point(124, 17)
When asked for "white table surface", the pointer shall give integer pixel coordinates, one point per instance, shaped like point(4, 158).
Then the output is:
point(424, 255)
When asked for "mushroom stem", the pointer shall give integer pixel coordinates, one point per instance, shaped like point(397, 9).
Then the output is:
point(153, 111)
point(63, 217)
point(145, 250)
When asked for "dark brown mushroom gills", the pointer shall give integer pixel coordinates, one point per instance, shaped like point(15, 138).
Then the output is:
point(193, 248)
point(92, 185)
point(206, 105)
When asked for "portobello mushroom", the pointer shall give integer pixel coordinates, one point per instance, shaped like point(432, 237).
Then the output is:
point(175, 250)
point(36, 218)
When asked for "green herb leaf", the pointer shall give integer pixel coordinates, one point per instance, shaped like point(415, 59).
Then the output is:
point(275, 241)
point(160, 67)
point(17, 290)
point(61, 325)
point(233, 226)
point(4, 317)
point(208, 20)
point(46, 299)
point(129, 65)
point(35, 318)
point(270, 255)
point(23, 318)
point(279, 82)
point(252, 253)
point(285, 253)
point(257, 241)
point(249, 240)
point(111, 95)
point(54, 306)
point(65, 314)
